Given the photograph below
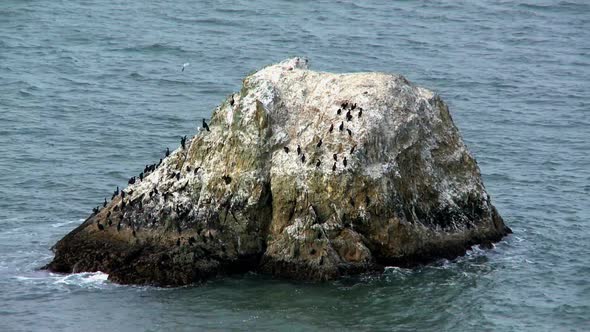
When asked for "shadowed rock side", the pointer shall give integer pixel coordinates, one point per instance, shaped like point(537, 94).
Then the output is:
point(303, 175)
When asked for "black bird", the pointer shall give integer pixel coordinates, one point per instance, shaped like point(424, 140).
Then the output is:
point(122, 194)
point(105, 202)
point(339, 111)
point(197, 169)
point(319, 143)
point(334, 167)
point(119, 227)
point(303, 158)
point(188, 168)
point(172, 175)
point(151, 194)
point(344, 105)
point(231, 102)
point(352, 149)
point(134, 234)
point(344, 162)
point(131, 180)
point(348, 115)
point(331, 128)
point(205, 125)
point(160, 163)
point(117, 191)
point(298, 150)
point(114, 195)
point(183, 142)
point(360, 111)
point(156, 191)
point(191, 240)
point(318, 163)
point(349, 132)
point(178, 242)
point(110, 222)
point(177, 176)
point(141, 176)
point(167, 152)
point(341, 126)
point(100, 226)
point(108, 214)
point(335, 156)
point(353, 106)
point(286, 148)
point(95, 210)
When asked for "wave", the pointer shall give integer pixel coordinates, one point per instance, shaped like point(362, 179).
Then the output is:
point(65, 223)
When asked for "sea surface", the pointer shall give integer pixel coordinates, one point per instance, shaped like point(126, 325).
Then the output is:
point(92, 91)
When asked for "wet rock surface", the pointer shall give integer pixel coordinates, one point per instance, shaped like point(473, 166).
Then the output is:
point(303, 175)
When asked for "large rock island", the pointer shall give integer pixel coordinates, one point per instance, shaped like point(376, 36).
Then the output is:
point(303, 175)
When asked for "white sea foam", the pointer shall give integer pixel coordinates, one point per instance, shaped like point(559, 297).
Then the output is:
point(84, 279)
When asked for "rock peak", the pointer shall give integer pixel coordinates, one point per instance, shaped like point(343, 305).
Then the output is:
point(303, 174)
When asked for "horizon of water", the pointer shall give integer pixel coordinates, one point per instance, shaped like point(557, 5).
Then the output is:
point(91, 92)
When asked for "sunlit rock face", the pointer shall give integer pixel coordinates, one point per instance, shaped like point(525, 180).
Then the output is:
point(304, 175)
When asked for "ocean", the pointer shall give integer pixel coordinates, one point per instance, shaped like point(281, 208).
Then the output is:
point(92, 91)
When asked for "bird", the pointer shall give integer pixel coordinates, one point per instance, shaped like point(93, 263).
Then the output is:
point(110, 222)
point(353, 106)
point(352, 149)
point(141, 176)
point(177, 176)
point(360, 111)
point(344, 105)
point(197, 169)
point(348, 115)
point(319, 143)
point(178, 242)
point(341, 127)
point(231, 102)
point(131, 180)
point(167, 152)
point(134, 234)
point(186, 64)
point(188, 168)
point(100, 226)
point(334, 167)
point(117, 191)
point(95, 210)
point(339, 111)
point(331, 128)
point(183, 142)
point(318, 163)
point(303, 158)
point(298, 150)
point(191, 240)
point(122, 194)
point(335, 156)
point(119, 227)
point(160, 163)
point(349, 132)
point(205, 125)
point(105, 202)
point(286, 148)
point(344, 162)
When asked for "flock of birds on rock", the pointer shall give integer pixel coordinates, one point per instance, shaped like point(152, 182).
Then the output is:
point(146, 171)
point(349, 108)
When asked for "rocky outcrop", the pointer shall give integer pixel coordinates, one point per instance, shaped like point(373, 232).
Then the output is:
point(303, 175)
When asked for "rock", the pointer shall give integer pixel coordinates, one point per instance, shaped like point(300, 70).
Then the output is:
point(236, 200)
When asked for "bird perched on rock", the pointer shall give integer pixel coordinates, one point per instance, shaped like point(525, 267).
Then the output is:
point(344, 105)
point(141, 176)
point(105, 202)
point(231, 102)
point(298, 150)
point(349, 132)
point(167, 152)
point(339, 111)
point(353, 106)
point(331, 128)
point(183, 142)
point(160, 163)
point(286, 148)
point(131, 180)
point(119, 226)
point(319, 143)
point(341, 126)
point(205, 125)
point(360, 111)
point(334, 167)
point(344, 162)
point(177, 176)
point(348, 116)
point(178, 242)
point(100, 226)
point(335, 156)
point(191, 240)
point(95, 210)
point(303, 158)
point(122, 194)
point(318, 163)
point(352, 149)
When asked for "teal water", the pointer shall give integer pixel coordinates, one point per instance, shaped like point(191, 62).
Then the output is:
point(91, 91)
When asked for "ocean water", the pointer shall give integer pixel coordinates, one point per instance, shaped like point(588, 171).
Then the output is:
point(91, 91)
